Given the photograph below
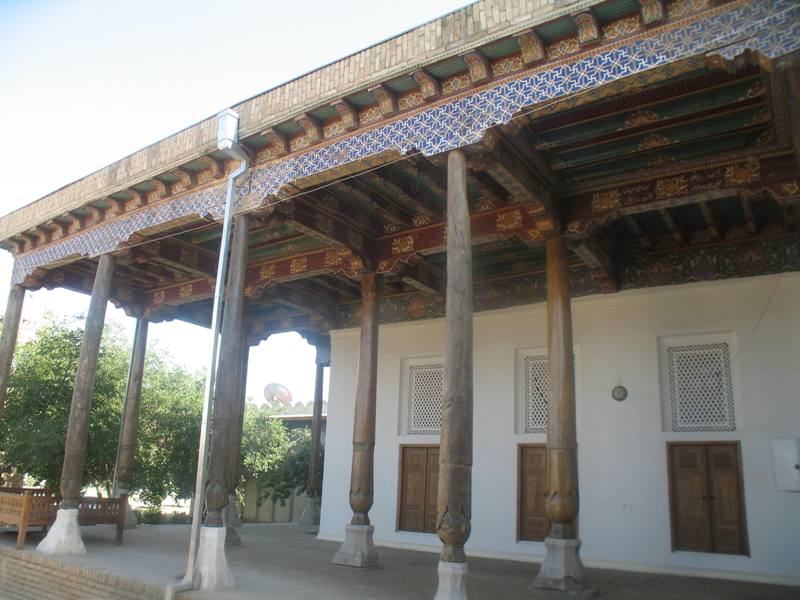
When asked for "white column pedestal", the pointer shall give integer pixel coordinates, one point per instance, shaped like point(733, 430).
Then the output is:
point(562, 569)
point(212, 567)
point(230, 516)
point(64, 536)
point(358, 550)
point(130, 517)
point(452, 581)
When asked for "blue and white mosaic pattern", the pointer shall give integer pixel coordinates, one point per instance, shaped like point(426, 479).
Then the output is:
point(770, 26)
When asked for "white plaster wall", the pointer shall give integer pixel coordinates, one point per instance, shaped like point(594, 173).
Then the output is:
point(624, 518)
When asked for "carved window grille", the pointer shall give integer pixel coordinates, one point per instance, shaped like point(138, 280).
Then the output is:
point(699, 385)
point(424, 388)
point(534, 393)
point(532, 390)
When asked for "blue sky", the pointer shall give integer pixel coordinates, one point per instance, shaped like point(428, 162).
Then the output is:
point(86, 82)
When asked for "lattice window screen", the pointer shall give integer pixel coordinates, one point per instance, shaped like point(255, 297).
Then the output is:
point(425, 387)
point(534, 393)
point(699, 386)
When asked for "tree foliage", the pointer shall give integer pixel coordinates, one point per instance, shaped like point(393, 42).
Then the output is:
point(32, 432)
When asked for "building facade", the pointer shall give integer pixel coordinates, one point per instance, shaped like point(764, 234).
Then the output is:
point(627, 518)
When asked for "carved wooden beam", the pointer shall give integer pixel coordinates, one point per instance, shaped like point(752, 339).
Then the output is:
point(387, 102)
point(711, 220)
point(63, 224)
point(311, 126)
point(595, 254)
point(588, 28)
point(511, 171)
point(643, 236)
point(278, 141)
point(348, 113)
point(479, 68)
point(288, 295)
point(421, 275)
point(118, 206)
point(671, 221)
point(137, 199)
point(369, 199)
point(162, 188)
point(326, 203)
point(652, 11)
point(749, 215)
point(215, 166)
point(186, 177)
point(78, 219)
point(516, 221)
point(405, 193)
point(97, 213)
point(428, 84)
point(531, 46)
point(330, 229)
point(259, 275)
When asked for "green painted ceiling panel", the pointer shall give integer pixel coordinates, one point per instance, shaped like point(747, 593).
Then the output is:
point(288, 128)
point(448, 67)
point(324, 113)
point(501, 48)
point(608, 11)
point(403, 84)
point(361, 99)
point(558, 29)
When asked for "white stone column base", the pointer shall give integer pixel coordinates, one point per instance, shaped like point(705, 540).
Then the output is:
point(452, 581)
point(357, 550)
point(309, 518)
point(562, 569)
point(64, 536)
point(212, 567)
point(130, 516)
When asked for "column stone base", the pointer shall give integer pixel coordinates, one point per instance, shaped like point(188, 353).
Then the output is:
point(130, 517)
point(64, 536)
point(230, 516)
point(309, 519)
point(562, 569)
point(212, 567)
point(358, 550)
point(452, 581)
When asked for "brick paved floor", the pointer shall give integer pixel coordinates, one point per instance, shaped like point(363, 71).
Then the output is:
point(280, 561)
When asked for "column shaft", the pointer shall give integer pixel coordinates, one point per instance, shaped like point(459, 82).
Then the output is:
point(562, 500)
point(454, 505)
point(78, 426)
point(8, 339)
point(363, 469)
point(228, 376)
point(236, 424)
point(316, 431)
point(130, 418)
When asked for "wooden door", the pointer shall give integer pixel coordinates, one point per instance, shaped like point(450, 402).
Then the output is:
point(419, 483)
point(727, 504)
point(691, 523)
point(706, 502)
point(533, 522)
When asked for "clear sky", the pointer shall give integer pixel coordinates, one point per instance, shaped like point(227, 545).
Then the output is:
point(86, 82)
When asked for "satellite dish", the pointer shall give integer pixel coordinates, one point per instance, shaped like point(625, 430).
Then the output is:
point(275, 392)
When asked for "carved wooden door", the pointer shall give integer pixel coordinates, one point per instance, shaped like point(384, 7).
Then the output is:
point(706, 502)
point(419, 483)
point(533, 522)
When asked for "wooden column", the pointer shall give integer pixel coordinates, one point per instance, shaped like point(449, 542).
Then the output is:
point(130, 417)
point(562, 499)
point(561, 568)
point(362, 472)
point(226, 392)
point(8, 339)
point(454, 506)
point(78, 426)
point(322, 360)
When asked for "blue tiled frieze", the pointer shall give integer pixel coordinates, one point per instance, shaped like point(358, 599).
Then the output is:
point(770, 26)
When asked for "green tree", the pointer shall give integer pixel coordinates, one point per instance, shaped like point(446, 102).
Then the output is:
point(33, 429)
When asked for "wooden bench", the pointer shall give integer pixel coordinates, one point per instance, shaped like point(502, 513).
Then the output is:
point(24, 507)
